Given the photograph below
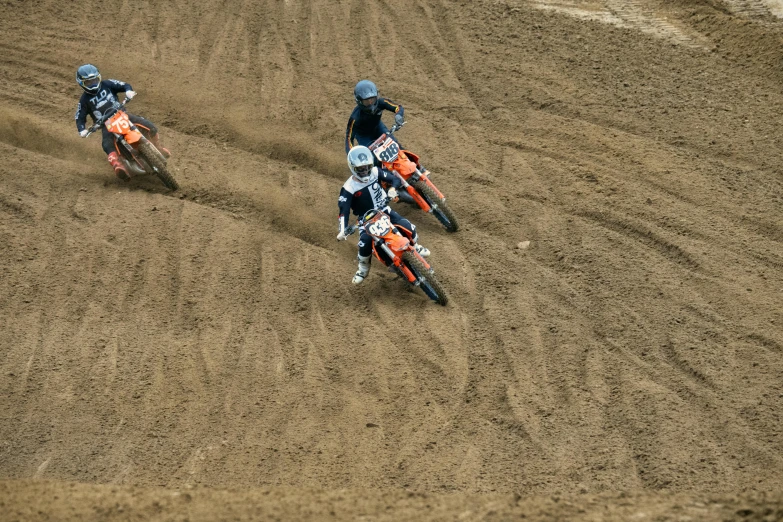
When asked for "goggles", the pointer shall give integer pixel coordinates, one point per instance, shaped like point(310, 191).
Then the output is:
point(91, 82)
point(363, 170)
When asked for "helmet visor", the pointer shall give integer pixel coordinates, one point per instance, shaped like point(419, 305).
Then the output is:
point(362, 171)
point(369, 102)
point(91, 83)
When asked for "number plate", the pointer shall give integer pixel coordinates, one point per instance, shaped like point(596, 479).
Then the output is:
point(387, 151)
point(118, 123)
point(380, 227)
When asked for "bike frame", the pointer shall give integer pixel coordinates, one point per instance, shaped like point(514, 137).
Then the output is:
point(125, 133)
point(405, 167)
point(392, 243)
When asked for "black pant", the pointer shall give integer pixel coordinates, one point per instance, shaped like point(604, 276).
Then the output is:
point(145, 126)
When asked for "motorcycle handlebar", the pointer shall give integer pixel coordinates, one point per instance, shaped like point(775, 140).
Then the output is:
point(395, 127)
point(353, 228)
point(98, 124)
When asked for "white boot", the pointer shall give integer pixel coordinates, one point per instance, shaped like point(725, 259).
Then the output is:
point(423, 251)
point(364, 269)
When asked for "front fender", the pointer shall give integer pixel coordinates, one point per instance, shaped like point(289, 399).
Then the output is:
point(133, 136)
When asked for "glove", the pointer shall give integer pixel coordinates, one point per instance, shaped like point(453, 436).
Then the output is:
point(398, 119)
point(83, 133)
point(341, 236)
point(392, 192)
point(130, 94)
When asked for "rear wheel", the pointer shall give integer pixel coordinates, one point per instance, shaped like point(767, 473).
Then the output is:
point(158, 163)
point(427, 281)
point(443, 213)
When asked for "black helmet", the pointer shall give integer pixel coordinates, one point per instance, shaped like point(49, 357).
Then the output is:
point(366, 94)
point(89, 78)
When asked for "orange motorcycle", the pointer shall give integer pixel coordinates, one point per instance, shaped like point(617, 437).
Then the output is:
point(395, 250)
point(138, 154)
point(405, 165)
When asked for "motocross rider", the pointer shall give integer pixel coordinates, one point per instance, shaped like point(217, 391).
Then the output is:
point(100, 96)
point(362, 192)
point(365, 125)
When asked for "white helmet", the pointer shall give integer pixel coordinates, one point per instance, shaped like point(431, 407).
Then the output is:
point(361, 163)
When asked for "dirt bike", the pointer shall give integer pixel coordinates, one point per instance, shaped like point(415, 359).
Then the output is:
point(138, 153)
point(395, 250)
point(405, 165)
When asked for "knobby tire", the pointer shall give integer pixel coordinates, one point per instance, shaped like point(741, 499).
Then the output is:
point(436, 291)
point(443, 213)
point(156, 160)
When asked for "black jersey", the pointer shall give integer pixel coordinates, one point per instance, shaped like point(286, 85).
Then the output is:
point(97, 104)
point(367, 124)
point(360, 197)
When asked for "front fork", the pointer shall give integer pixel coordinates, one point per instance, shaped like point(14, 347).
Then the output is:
point(395, 260)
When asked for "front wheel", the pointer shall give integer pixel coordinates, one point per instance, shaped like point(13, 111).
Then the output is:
point(427, 281)
point(158, 164)
point(443, 213)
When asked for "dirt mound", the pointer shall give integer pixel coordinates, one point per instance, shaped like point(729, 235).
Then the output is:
point(211, 337)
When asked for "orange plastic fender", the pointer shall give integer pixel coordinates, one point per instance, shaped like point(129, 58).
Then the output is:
point(403, 165)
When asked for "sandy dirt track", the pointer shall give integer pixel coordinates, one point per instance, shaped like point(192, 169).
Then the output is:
point(210, 338)
point(42, 500)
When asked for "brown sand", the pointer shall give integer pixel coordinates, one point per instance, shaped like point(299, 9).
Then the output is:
point(202, 354)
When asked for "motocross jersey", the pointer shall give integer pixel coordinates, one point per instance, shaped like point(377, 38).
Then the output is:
point(96, 104)
point(360, 197)
point(368, 125)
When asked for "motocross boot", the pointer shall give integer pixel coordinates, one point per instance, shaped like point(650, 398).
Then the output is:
point(119, 169)
point(423, 251)
point(364, 269)
point(156, 141)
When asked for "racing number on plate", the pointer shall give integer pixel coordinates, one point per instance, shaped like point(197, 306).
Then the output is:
point(387, 152)
point(118, 122)
point(380, 227)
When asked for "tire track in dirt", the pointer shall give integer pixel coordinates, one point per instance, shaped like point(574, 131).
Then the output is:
point(766, 342)
point(490, 364)
point(640, 16)
point(649, 238)
point(672, 354)
point(754, 9)
point(693, 396)
point(596, 379)
point(41, 370)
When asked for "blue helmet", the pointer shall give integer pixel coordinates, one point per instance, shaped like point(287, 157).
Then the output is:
point(366, 94)
point(89, 78)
